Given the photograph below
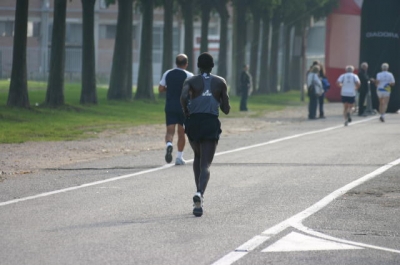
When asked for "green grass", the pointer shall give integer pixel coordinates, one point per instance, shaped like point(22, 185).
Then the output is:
point(74, 121)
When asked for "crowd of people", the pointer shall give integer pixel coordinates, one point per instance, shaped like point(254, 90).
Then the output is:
point(352, 87)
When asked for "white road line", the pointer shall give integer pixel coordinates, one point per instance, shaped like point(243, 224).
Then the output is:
point(296, 220)
point(309, 231)
point(45, 194)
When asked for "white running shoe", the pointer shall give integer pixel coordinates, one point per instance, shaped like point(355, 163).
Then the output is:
point(179, 161)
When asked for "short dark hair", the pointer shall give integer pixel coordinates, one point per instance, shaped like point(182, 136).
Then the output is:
point(181, 60)
point(205, 62)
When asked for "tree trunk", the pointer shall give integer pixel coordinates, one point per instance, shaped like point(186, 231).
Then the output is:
point(274, 56)
point(187, 13)
point(18, 91)
point(205, 19)
point(167, 62)
point(287, 57)
point(295, 65)
point(240, 47)
point(223, 37)
point(121, 71)
point(255, 46)
point(263, 87)
point(55, 86)
point(88, 93)
point(145, 79)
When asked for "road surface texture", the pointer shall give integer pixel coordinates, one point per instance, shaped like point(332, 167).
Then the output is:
point(283, 190)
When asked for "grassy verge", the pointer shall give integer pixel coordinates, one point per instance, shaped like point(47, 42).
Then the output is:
point(75, 121)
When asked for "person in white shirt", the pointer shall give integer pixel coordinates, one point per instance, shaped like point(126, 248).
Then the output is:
point(349, 83)
point(384, 82)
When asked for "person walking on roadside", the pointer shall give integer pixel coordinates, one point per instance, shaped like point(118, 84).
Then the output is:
point(349, 83)
point(245, 87)
point(384, 82)
point(315, 90)
point(202, 97)
point(172, 83)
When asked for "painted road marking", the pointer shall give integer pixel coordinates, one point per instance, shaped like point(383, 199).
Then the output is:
point(309, 231)
point(45, 194)
point(299, 242)
point(296, 220)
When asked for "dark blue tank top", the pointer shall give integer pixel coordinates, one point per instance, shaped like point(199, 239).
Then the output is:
point(205, 103)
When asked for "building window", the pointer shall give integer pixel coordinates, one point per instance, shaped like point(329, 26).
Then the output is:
point(74, 34)
point(157, 37)
point(6, 28)
point(107, 31)
point(33, 29)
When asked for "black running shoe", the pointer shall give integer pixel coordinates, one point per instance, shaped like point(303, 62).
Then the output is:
point(381, 119)
point(198, 205)
point(168, 155)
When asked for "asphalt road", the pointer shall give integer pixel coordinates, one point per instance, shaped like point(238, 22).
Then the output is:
point(300, 192)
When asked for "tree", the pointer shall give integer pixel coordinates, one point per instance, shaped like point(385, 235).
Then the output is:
point(206, 7)
point(145, 78)
point(276, 24)
point(167, 57)
point(187, 13)
point(239, 41)
point(255, 10)
point(267, 7)
point(88, 92)
point(220, 6)
point(18, 91)
point(121, 71)
point(55, 85)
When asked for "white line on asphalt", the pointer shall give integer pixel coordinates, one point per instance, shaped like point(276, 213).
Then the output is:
point(309, 231)
point(296, 220)
point(45, 194)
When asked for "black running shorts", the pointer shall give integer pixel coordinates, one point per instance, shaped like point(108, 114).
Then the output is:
point(174, 117)
point(203, 126)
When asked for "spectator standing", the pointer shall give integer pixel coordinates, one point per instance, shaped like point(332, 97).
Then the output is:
point(364, 87)
point(315, 90)
point(172, 83)
point(384, 82)
point(202, 97)
point(349, 83)
point(245, 87)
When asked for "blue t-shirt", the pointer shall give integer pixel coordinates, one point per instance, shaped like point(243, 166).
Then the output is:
point(173, 80)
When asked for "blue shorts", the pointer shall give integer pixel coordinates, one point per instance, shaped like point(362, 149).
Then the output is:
point(349, 100)
point(174, 117)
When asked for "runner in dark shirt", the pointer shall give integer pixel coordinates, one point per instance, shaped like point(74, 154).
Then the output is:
point(171, 83)
point(202, 97)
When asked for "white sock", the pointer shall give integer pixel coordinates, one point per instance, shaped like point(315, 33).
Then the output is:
point(179, 155)
point(169, 144)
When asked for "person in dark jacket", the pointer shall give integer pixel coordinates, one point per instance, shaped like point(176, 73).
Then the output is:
point(202, 97)
point(245, 87)
point(363, 90)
